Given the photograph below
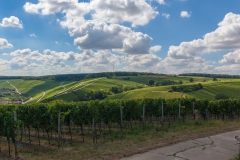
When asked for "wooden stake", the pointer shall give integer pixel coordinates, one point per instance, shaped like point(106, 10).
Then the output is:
point(59, 130)
point(162, 112)
point(15, 134)
point(143, 123)
point(93, 131)
point(179, 110)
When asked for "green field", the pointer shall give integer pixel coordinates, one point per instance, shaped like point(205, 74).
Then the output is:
point(72, 90)
point(184, 79)
point(228, 86)
point(4, 84)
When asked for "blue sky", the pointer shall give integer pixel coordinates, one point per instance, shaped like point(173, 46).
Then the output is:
point(42, 37)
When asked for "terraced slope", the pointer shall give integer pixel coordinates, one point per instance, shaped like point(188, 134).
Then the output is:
point(230, 87)
point(71, 90)
point(95, 85)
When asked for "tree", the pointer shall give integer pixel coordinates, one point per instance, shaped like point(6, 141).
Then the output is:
point(174, 88)
point(215, 79)
point(190, 79)
point(221, 96)
point(157, 83)
point(150, 82)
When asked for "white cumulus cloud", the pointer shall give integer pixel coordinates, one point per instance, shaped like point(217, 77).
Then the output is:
point(166, 15)
point(231, 57)
point(185, 14)
point(137, 12)
point(161, 2)
point(103, 30)
point(155, 49)
point(225, 37)
point(100, 35)
point(5, 44)
point(11, 22)
point(33, 35)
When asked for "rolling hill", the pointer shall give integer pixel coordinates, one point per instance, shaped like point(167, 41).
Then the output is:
point(133, 87)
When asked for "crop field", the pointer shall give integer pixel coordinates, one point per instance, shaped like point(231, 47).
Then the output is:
point(97, 123)
point(72, 90)
point(107, 115)
point(95, 85)
point(144, 79)
point(209, 91)
point(4, 84)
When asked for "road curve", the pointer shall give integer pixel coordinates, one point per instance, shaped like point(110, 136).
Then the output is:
point(220, 147)
point(41, 97)
point(14, 87)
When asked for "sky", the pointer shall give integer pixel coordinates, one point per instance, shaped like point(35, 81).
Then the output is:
point(48, 37)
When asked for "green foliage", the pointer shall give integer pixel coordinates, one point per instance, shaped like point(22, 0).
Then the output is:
point(186, 89)
point(150, 82)
point(45, 116)
point(221, 96)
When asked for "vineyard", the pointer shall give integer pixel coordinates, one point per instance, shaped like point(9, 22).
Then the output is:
point(57, 124)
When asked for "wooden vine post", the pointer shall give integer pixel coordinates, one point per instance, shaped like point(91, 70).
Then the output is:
point(162, 112)
point(93, 131)
point(194, 110)
point(143, 118)
point(15, 134)
point(179, 110)
point(121, 114)
point(59, 129)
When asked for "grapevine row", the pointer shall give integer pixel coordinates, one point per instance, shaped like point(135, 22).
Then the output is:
point(122, 113)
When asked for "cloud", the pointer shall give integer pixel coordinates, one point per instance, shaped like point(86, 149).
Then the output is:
point(155, 49)
point(103, 30)
point(187, 56)
point(228, 69)
point(23, 52)
point(137, 12)
point(185, 14)
point(167, 16)
point(143, 63)
point(100, 35)
point(187, 49)
point(33, 35)
point(231, 57)
point(46, 7)
point(28, 62)
point(225, 37)
point(161, 2)
point(99, 61)
point(190, 65)
point(5, 44)
point(11, 22)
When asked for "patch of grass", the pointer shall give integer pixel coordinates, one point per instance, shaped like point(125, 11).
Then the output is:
point(131, 142)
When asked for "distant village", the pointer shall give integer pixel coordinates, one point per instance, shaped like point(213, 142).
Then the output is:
point(6, 92)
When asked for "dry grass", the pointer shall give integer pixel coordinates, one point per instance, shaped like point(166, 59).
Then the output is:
point(117, 146)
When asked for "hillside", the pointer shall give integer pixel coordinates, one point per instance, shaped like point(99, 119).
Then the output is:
point(128, 87)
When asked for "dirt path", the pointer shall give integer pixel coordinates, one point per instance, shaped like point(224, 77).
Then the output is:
point(27, 101)
point(64, 88)
point(14, 87)
point(221, 147)
point(41, 97)
point(72, 89)
point(84, 86)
